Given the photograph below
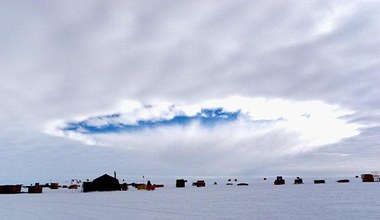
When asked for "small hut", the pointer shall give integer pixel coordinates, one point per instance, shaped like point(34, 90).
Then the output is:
point(10, 189)
point(35, 189)
point(279, 181)
point(319, 181)
point(199, 183)
point(54, 186)
point(368, 178)
point(180, 183)
point(298, 181)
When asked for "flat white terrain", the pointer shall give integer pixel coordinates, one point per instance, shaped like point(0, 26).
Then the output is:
point(260, 200)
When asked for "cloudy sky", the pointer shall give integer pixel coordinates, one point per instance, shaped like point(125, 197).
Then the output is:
point(188, 88)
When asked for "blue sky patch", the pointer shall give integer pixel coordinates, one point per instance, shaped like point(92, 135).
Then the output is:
point(206, 117)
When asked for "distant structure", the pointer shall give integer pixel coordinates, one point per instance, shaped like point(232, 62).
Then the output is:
point(242, 184)
point(10, 189)
point(124, 186)
point(279, 181)
point(102, 183)
point(54, 185)
point(319, 181)
point(35, 189)
point(180, 183)
point(143, 186)
point(199, 183)
point(374, 176)
point(343, 181)
point(298, 181)
point(366, 178)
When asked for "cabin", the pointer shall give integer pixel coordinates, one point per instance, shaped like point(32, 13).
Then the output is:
point(199, 183)
point(366, 178)
point(73, 186)
point(54, 185)
point(298, 181)
point(180, 183)
point(10, 189)
point(35, 189)
point(319, 181)
point(279, 181)
point(102, 183)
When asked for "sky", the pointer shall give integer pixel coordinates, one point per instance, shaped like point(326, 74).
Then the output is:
point(188, 88)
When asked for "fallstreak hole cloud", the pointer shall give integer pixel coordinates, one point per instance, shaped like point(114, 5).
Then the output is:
point(252, 130)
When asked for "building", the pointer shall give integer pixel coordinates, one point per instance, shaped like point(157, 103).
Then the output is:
point(319, 181)
point(35, 189)
point(199, 183)
point(279, 181)
point(102, 183)
point(298, 181)
point(10, 189)
point(368, 178)
point(180, 183)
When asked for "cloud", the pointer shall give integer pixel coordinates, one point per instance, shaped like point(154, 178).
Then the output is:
point(248, 131)
point(76, 61)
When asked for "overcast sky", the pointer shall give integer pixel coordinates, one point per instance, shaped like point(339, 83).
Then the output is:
point(188, 88)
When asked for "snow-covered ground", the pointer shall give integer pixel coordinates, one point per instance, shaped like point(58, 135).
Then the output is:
point(260, 200)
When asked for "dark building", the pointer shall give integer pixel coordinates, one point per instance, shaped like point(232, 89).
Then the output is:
point(102, 183)
point(343, 181)
point(35, 189)
point(319, 181)
point(199, 183)
point(298, 181)
point(180, 183)
point(10, 189)
point(368, 178)
point(279, 181)
point(54, 185)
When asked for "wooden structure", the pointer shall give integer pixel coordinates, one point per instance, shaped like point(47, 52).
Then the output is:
point(199, 183)
point(54, 185)
point(366, 178)
point(10, 189)
point(35, 189)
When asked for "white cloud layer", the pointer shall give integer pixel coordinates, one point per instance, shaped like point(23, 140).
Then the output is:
point(74, 59)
